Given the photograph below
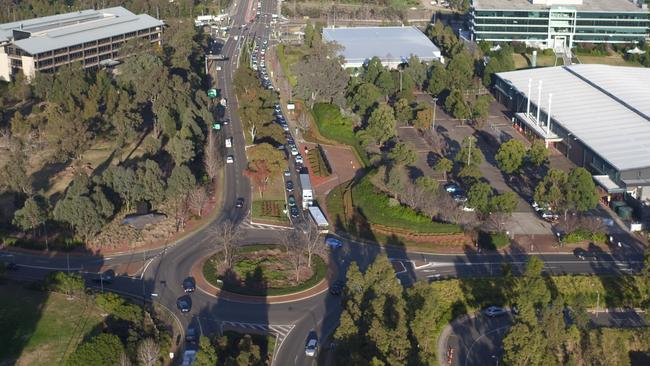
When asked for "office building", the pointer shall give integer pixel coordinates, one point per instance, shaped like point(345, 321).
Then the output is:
point(560, 24)
point(90, 37)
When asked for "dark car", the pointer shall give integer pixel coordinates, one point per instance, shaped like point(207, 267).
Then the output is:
point(459, 196)
point(105, 277)
point(291, 200)
point(191, 334)
point(337, 288)
point(294, 211)
point(240, 202)
point(584, 254)
point(189, 284)
point(11, 266)
point(289, 186)
point(184, 304)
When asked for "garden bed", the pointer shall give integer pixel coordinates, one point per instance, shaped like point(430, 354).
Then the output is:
point(270, 211)
point(317, 162)
point(262, 270)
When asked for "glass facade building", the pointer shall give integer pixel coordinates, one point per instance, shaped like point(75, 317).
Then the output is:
point(558, 26)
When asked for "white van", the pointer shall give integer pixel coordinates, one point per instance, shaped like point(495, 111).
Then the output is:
point(229, 142)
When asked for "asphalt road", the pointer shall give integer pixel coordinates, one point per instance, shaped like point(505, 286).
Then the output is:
point(165, 268)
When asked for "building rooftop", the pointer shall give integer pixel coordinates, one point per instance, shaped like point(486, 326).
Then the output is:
point(388, 43)
point(63, 30)
point(605, 107)
point(587, 5)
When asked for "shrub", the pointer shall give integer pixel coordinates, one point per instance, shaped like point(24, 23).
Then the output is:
point(118, 307)
point(68, 284)
point(548, 52)
point(104, 349)
point(580, 235)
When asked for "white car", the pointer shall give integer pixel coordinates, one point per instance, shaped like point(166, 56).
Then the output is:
point(229, 142)
point(299, 159)
point(468, 209)
point(230, 159)
point(294, 151)
point(311, 348)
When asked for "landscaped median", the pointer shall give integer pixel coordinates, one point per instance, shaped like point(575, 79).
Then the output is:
point(261, 273)
point(363, 211)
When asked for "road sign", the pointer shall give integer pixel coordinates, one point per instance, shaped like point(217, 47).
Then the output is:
point(213, 93)
point(216, 126)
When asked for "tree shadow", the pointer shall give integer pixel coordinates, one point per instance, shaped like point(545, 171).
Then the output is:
point(41, 179)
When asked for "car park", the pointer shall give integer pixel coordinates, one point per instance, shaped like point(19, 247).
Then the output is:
point(291, 200)
point(189, 284)
point(333, 243)
point(494, 311)
point(337, 287)
point(240, 202)
point(289, 186)
point(294, 212)
point(230, 159)
point(184, 304)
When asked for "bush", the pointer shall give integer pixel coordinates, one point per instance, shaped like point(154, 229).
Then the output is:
point(548, 52)
point(118, 307)
point(374, 205)
point(65, 283)
point(104, 349)
point(580, 235)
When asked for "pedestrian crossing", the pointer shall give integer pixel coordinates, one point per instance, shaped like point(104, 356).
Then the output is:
point(281, 332)
point(249, 225)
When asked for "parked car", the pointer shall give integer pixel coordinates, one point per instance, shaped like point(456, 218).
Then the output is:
point(289, 186)
point(240, 202)
point(230, 159)
point(459, 197)
point(294, 211)
point(494, 311)
point(287, 173)
point(191, 335)
point(468, 209)
point(549, 215)
point(291, 200)
point(294, 150)
point(452, 187)
point(299, 159)
point(189, 284)
point(333, 243)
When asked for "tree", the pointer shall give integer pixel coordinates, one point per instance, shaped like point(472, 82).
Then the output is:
point(320, 77)
point(103, 349)
point(373, 326)
point(438, 80)
point(479, 196)
point(461, 71)
point(552, 190)
point(444, 166)
point(581, 190)
point(403, 111)
point(313, 241)
point(206, 355)
point(424, 315)
point(416, 70)
point(13, 175)
point(403, 154)
point(364, 97)
point(381, 124)
point(264, 163)
point(385, 82)
point(294, 247)
point(227, 236)
point(456, 104)
point(150, 183)
point(481, 109)
point(68, 284)
point(148, 352)
point(469, 155)
point(537, 153)
point(67, 132)
point(505, 202)
point(531, 292)
point(309, 35)
point(180, 149)
point(80, 212)
point(198, 198)
point(510, 156)
point(32, 215)
point(423, 117)
point(179, 185)
point(212, 156)
point(372, 70)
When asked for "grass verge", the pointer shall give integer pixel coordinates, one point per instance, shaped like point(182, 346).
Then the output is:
point(334, 126)
point(42, 328)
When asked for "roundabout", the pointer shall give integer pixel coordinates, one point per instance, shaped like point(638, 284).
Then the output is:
point(261, 274)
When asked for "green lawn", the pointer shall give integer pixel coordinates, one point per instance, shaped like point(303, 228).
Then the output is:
point(374, 205)
point(614, 60)
point(524, 61)
point(41, 328)
point(333, 126)
point(289, 56)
